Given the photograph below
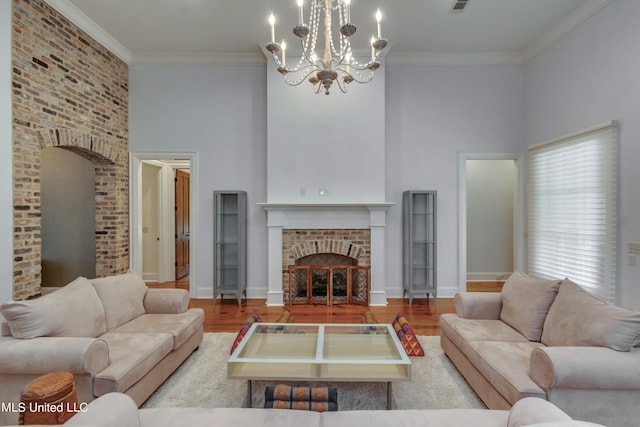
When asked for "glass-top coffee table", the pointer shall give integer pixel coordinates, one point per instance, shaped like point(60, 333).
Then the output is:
point(320, 352)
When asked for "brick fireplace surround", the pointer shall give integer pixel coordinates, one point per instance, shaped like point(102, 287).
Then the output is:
point(298, 244)
point(297, 230)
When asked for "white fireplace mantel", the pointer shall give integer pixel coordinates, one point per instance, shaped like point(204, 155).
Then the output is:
point(326, 216)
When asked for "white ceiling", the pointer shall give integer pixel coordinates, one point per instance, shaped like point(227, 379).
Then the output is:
point(166, 31)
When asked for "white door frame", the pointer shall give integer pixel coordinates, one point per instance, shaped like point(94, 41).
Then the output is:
point(519, 232)
point(135, 210)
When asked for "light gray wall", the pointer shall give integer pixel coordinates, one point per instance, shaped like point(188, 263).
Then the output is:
point(432, 113)
point(591, 76)
point(435, 112)
point(490, 218)
point(6, 155)
point(68, 202)
point(219, 113)
point(334, 143)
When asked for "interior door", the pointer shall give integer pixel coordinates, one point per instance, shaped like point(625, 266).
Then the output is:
point(182, 224)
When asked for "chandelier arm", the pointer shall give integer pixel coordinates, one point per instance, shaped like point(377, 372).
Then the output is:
point(302, 79)
point(355, 76)
point(341, 85)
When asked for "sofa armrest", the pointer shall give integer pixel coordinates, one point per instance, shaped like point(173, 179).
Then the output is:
point(585, 367)
point(166, 301)
point(111, 409)
point(5, 331)
point(478, 305)
point(533, 410)
point(46, 354)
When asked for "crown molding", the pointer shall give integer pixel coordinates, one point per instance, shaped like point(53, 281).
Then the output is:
point(581, 14)
point(86, 24)
point(197, 58)
point(468, 58)
point(573, 20)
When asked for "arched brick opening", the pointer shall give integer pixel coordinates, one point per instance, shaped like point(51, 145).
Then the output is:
point(111, 198)
point(329, 246)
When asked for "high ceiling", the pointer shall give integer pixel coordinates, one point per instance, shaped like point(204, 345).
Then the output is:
point(142, 31)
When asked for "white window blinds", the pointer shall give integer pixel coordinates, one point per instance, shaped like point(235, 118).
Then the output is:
point(572, 209)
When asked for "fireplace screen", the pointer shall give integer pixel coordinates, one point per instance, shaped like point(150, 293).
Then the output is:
point(335, 284)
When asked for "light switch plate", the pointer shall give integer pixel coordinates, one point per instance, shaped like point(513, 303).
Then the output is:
point(634, 248)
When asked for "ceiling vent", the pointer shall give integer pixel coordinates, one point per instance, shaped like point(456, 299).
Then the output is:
point(459, 5)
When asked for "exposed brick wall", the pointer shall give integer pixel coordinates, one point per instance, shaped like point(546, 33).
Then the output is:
point(72, 93)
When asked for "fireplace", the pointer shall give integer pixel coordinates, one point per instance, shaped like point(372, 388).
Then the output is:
point(356, 231)
point(326, 266)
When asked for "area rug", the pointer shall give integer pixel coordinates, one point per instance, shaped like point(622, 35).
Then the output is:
point(201, 381)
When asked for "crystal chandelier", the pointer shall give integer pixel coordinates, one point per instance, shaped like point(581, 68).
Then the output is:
point(337, 63)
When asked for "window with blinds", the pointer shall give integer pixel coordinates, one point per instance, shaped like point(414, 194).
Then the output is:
point(572, 209)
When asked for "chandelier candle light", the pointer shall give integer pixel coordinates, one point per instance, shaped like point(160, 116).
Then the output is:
point(337, 62)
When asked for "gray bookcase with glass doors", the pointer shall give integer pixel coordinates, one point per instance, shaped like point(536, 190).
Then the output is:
point(419, 244)
point(230, 244)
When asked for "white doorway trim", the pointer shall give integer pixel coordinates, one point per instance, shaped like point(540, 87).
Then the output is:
point(135, 216)
point(519, 232)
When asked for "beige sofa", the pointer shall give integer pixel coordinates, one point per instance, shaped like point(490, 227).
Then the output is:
point(548, 339)
point(118, 410)
point(113, 333)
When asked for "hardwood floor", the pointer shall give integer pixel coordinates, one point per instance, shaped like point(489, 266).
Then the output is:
point(226, 316)
point(485, 286)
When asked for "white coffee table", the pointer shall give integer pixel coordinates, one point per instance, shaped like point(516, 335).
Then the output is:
point(320, 352)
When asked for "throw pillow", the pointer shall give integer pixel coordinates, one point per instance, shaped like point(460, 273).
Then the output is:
point(407, 338)
point(369, 318)
point(320, 399)
point(577, 318)
point(285, 317)
point(71, 311)
point(525, 303)
point(122, 297)
point(244, 329)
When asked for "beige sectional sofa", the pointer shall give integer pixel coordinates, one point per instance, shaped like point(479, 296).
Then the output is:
point(113, 333)
point(118, 410)
point(548, 339)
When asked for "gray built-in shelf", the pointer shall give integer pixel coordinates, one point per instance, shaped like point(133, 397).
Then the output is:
point(419, 244)
point(230, 244)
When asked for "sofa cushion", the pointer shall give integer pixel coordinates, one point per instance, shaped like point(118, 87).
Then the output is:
point(506, 366)
point(181, 326)
point(113, 409)
point(577, 318)
point(463, 331)
point(122, 297)
point(572, 423)
point(72, 311)
point(241, 417)
point(525, 303)
point(416, 418)
point(131, 357)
